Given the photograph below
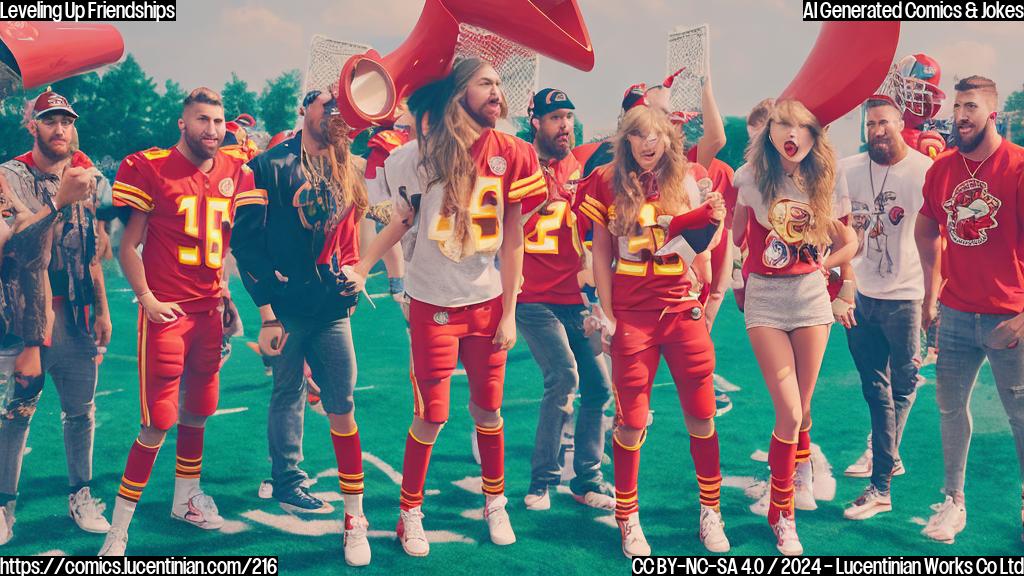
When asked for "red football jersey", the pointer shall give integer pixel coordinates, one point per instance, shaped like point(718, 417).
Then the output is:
point(982, 221)
point(721, 174)
point(553, 247)
point(189, 222)
point(642, 281)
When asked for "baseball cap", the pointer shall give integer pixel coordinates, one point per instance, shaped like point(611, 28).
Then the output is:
point(50, 101)
point(548, 100)
point(634, 97)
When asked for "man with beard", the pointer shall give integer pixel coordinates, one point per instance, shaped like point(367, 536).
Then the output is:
point(550, 315)
point(291, 238)
point(972, 201)
point(885, 187)
point(57, 252)
point(182, 202)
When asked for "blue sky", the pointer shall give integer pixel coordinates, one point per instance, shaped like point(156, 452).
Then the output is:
point(756, 46)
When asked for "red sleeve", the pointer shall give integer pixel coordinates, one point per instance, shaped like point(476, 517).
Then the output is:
point(929, 183)
point(594, 198)
point(583, 152)
point(525, 177)
point(131, 187)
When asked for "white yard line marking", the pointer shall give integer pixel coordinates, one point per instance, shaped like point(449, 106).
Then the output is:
point(225, 411)
point(361, 388)
point(471, 484)
point(383, 466)
point(741, 482)
point(234, 527)
point(102, 393)
point(608, 520)
point(303, 527)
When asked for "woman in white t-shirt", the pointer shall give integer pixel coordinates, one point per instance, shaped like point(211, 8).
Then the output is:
point(790, 199)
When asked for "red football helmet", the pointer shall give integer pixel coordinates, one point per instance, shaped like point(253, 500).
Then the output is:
point(921, 75)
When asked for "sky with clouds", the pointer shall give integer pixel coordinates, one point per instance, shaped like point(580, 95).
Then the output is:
point(757, 46)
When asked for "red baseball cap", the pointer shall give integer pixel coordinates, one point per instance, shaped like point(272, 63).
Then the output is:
point(50, 101)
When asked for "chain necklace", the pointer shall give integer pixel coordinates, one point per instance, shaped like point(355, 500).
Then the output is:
point(871, 178)
point(968, 168)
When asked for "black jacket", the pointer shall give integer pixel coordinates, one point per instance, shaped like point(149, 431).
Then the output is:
point(268, 237)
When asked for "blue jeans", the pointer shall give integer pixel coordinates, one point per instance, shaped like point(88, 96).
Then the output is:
point(886, 348)
point(962, 350)
point(327, 348)
point(70, 360)
point(554, 333)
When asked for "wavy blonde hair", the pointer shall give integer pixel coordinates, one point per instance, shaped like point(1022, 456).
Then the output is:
point(346, 182)
point(670, 170)
point(816, 174)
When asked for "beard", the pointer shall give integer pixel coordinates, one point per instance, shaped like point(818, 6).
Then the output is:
point(970, 144)
point(198, 149)
point(549, 148)
point(51, 154)
point(882, 151)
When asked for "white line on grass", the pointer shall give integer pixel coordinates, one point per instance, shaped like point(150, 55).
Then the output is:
point(103, 393)
point(470, 484)
point(303, 527)
point(225, 411)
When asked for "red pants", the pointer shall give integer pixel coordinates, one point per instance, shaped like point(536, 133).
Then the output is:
point(443, 336)
point(640, 340)
point(188, 347)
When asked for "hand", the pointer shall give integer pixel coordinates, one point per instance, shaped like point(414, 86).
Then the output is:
point(717, 202)
point(404, 212)
point(505, 336)
point(843, 312)
point(929, 314)
point(76, 184)
point(592, 324)
point(229, 315)
point(355, 281)
point(102, 329)
point(610, 326)
point(1007, 334)
point(160, 312)
point(272, 339)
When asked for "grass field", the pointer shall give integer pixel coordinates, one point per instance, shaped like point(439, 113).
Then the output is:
point(568, 538)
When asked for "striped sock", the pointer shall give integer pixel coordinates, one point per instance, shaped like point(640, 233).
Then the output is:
point(782, 461)
point(707, 464)
point(189, 451)
point(137, 471)
point(414, 471)
point(491, 442)
point(627, 469)
point(803, 445)
point(349, 456)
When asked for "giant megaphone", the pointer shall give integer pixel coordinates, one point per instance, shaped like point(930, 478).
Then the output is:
point(371, 86)
point(38, 53)
point(848, 63)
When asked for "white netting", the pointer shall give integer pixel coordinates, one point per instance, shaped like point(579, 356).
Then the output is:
point(688, 48)
point(894, 87)
point(517, 66)
point(327, 57)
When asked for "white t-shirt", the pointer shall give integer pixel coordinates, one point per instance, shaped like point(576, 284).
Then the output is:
point(886, 200)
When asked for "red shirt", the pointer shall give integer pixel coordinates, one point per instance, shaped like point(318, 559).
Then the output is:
point(721, 174)
point(982, 221)
point(189, 222)
point(642, 281)
point(553, 247)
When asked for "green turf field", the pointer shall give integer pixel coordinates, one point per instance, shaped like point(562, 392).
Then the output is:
point(568, 539)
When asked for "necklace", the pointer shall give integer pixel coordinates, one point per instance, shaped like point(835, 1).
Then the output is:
point(871, 178)
point(982, 163)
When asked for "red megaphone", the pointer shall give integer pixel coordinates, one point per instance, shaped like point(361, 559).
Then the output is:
point(38, 53)
point(848, 63)
point(371, 86)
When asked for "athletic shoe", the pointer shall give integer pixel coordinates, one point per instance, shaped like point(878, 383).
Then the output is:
point(870, 503)
point(498, 523)
point(722, 402)
point(824, 481)
point(410, 532)
point(787, 540)
point(948, 520)
point(862, 467)
point(297, 499)
point(600, 495)
point(633, 541)
point(115, 543)
point(199, 510)
point(87, 512)
point(6, 526)
point(537, 499)
point(803, 493)
point(712, 531)
point(897, 467)
point(357, 547)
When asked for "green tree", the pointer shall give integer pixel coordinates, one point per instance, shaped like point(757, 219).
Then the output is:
point(1015, 117)
point(122, 120)
point(736, 141)
point(277, 102)
point(238, 98)
point(166, 112)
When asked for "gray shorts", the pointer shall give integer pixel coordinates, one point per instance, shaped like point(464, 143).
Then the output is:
point(787, 302)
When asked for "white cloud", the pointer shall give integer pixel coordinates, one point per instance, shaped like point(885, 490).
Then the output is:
point(961, 59)
point(261, 22)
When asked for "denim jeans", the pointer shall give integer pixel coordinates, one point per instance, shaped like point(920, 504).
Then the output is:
point(962, 350)
point(327, 348)
point(886, 348)
point(70, 360)
point(554, 333)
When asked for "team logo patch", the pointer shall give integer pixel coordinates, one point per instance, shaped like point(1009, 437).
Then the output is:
point(498, 165)
point(696, 312)
point(441, 318)
point(971, 213)
point(226, 187)
point(790, 220)
point(776, 252)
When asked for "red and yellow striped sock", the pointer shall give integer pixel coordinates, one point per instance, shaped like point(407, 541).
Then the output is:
point(491, 442)
point(348, 453)
point(189, 452)
point(803, 445)
point(137, 471)
point(627, 468)
point(414, 471)
point(704, 450)
point(782, 461)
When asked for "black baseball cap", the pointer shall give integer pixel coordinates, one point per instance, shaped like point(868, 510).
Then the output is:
point(548, 100)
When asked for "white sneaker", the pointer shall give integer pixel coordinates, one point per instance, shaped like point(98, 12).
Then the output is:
point(199, 510)
point(7, 525)
point(870, 503)
point(712, 531)
point(824, 488)
point(357, 547)
point(787, 540)
point(498, 522)
point(536, 501)
point(803, 494)
point(633, 541)
point(115, 543)
point(760, 507)
point(410, 532)
point(87, 512)
point(862, 467)
point(602, 498)
point(897, 467)
point(948, 520)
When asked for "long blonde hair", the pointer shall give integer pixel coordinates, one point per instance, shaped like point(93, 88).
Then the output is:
point(670, 170)
point(816, 175)
point(445, 143)
point(346, 183)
